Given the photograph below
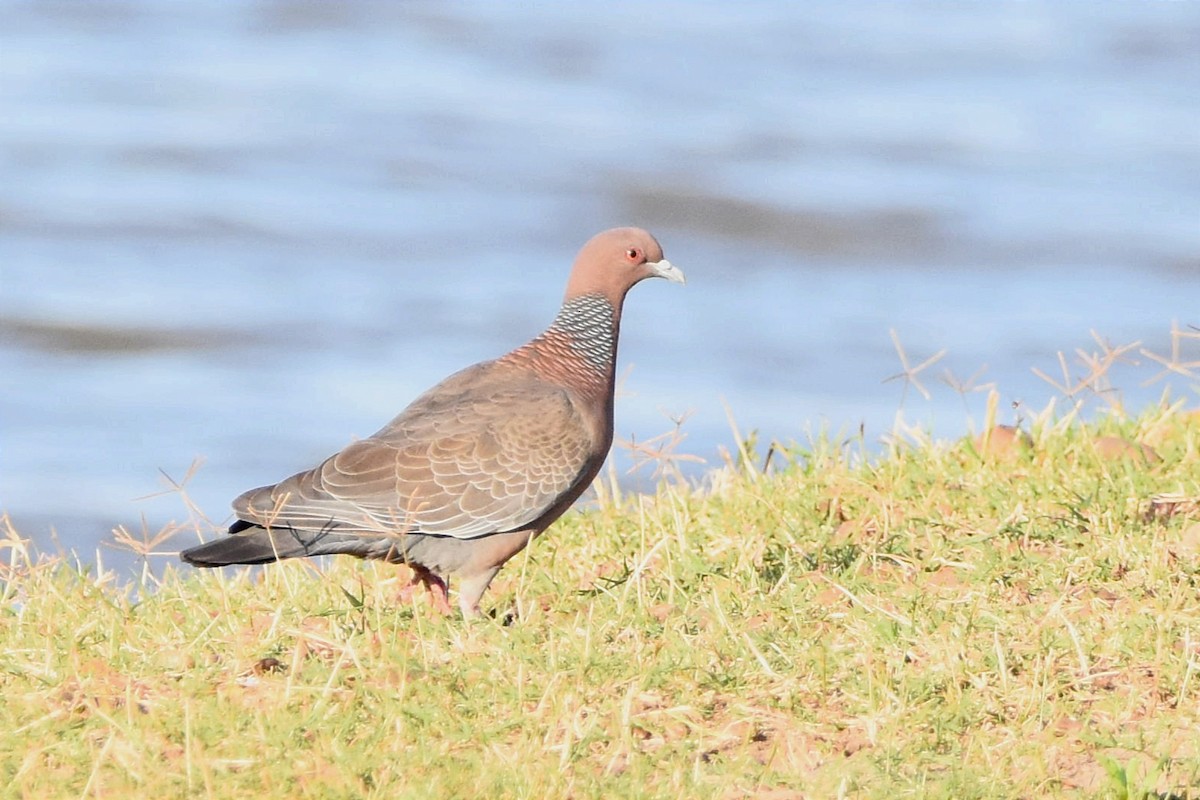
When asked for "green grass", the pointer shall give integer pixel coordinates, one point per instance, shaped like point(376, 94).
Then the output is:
point(929, 623)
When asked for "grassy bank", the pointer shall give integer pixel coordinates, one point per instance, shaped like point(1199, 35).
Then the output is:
point(964, 620)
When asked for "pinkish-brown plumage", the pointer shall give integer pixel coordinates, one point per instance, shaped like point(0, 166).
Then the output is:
point(476, 467)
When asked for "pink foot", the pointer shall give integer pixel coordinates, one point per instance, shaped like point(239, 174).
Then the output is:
point(439, 591)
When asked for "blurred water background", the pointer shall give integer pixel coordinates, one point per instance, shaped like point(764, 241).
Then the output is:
point(246, 232)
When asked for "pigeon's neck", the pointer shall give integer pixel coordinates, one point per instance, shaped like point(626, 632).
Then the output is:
point(589, 325)
point(580, 346)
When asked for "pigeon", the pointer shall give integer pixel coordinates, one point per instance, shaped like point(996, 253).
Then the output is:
point(476, 467)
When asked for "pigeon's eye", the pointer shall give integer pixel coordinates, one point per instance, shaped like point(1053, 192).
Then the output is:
point(633, 254)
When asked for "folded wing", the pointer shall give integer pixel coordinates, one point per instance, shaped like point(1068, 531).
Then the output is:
point(473, 456)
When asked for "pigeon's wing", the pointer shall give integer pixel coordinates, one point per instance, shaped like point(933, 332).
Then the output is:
point(472, 456)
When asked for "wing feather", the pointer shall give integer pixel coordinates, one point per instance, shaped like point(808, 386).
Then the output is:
point(468, 458)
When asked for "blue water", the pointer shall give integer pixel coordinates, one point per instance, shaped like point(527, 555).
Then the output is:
point(248, 232)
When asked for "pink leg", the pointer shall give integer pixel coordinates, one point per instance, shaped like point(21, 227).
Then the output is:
point(439, 593)
point(439, 590)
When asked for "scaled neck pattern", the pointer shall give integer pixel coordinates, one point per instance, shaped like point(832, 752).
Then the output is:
point(588, 323)
point(579, 348)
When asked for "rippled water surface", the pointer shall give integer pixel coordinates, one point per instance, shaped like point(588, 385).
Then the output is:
point(248, 232)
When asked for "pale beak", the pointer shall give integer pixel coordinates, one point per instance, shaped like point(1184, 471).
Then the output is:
point(665, 269)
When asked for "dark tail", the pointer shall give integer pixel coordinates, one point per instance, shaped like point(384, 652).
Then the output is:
point(252, 545)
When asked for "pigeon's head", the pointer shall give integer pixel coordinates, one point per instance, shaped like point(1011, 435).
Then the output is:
point(615, 260)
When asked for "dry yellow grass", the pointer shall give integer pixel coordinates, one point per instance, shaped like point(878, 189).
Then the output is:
point(939, 622)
